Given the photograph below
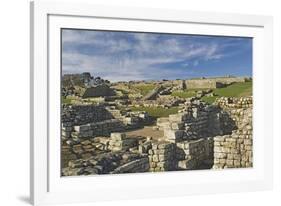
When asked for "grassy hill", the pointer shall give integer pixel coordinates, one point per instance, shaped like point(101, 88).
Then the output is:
point(240, 89)
point(184, 94)
point(143, 88)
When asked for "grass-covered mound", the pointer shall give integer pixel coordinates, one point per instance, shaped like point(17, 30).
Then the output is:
point(184, 94)
point(240, 89)
point(143, 88)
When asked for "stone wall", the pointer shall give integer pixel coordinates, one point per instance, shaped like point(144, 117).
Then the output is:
point(236, 149)
point(229, 80)
point(103, 128)
point(119, 142)
point(73, 150)
point(211, 83)
point(83, 114)
point(196, 120)
point(162, 156)
point(192, 131)
point(100, 156)
point(88, 121)
point(202, 84)
point(194, 153)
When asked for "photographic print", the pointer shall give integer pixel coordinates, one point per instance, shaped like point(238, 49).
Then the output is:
point(134, 102)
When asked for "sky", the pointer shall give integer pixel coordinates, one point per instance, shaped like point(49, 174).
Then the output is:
point(124, 56)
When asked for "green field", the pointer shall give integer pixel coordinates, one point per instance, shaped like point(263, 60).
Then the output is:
point(157, 111)
point(209, 100)
point(184, 94)
point(241, 89)
point(143, 88)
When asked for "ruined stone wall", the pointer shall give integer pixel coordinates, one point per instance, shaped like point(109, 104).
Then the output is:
point(73, 150)
point(162, 156)
point(103, 128)
point(182, 155)
point(229, 80)
point(119, 142)
point(212, 83)
point(201, 84)
point(86, 121)
point(194, 153)
point(83, 114)
point(103, 155)
point(192, 131)
point(236, 149)
point(194, 121)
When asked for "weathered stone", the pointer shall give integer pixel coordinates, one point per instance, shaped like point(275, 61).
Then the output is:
point(117, 136)
point(173, 134)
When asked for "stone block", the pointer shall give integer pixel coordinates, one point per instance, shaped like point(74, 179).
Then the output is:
point(117, 136)
point(81, 128)
point(236, 156)
point(220, 155)
point(229, 162)
point(173, 134)
point(155, 158)
point(236, 163)
point(219, 138)
point(176, 117)
point(230, 156)
point(177, 126)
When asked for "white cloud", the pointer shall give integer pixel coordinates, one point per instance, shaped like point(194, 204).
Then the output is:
point(133, 56)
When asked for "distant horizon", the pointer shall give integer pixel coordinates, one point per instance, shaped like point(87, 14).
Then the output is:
point(135, 56)
point(209, 77)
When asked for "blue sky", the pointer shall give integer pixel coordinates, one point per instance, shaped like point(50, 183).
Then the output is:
point(123, 56)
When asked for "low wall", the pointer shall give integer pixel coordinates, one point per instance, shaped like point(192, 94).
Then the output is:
point(85, 121)
point(212, 83)
point(233, 151)
point(196, 121)
point(84, 114)
point(201, 84)
point(162, 156)
point(103, 128)
point(229, 80)
point(119, 142)
point(82, 150)
point(100, 156)
point(183, 155)
point(192, 154)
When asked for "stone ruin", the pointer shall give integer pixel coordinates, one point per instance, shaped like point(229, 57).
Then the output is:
point(200, 136)
point(86, 121)
point(235, 150)
point(212, 83)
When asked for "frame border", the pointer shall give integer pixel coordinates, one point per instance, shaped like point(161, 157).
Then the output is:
point(39, 13)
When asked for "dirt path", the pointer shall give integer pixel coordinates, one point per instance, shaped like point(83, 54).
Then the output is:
point(147, 131)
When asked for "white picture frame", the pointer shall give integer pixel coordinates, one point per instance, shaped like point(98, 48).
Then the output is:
point(46, 184)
